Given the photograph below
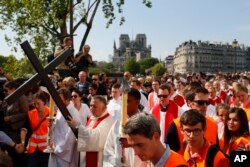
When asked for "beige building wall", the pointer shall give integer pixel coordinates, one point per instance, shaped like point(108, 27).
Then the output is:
point(210, 57)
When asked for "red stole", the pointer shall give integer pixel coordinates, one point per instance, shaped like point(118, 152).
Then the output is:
point(215, 101)
point(171, 113)
point(179, 100)
point(92, 157)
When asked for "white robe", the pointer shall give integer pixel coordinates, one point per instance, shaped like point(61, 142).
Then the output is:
point(144, 102)
point(84, 113)
point(94, 139)
point(113, 151)
point(65, 151)
point(114, 108)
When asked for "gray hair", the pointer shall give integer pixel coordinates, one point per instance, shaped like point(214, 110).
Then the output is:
point(86, 47)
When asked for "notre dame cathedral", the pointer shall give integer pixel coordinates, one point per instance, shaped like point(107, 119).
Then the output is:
point(130, 49)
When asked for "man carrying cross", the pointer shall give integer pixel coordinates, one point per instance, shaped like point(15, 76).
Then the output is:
point(61, 102)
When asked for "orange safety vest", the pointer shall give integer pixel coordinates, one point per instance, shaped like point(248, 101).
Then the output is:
point(38, 139)
point(175, 159)
point(219, 159)
point(171, 113)
point(237, 144)
point(180, 135)
point(210, 133)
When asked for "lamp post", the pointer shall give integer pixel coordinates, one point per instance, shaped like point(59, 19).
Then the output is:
point(234, 45)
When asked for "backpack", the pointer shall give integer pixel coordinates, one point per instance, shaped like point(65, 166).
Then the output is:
point(212, 151)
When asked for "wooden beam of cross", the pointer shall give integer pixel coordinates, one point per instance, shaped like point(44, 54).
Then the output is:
point(44, 77)
point(36, 78)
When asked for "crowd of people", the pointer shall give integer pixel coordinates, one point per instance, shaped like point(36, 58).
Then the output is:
point(173, 120)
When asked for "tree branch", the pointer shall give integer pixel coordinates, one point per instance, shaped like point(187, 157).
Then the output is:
point(89, 25)
point(84, 18)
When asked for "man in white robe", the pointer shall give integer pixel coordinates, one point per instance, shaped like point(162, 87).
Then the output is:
point(112, 148)
point(114, 105)
point(65, 152)
point(92, 137)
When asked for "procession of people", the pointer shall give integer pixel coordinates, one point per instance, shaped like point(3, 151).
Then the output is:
point(171, 120)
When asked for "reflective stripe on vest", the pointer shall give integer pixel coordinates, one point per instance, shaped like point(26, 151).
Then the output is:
point(39, 144)
point(38, 139)
point(39, 136)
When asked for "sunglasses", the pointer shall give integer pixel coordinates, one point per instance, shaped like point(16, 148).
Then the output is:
point(202, 102)
point(94, 79)
point(74, 96)
point(5, 90)
point(164, 96)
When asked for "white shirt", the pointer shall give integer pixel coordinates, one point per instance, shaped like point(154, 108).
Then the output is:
point(114, 108)
point(84, 113)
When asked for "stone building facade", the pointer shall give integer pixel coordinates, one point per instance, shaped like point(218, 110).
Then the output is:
point(168, 63)
point(130, 49)
point(211, 57)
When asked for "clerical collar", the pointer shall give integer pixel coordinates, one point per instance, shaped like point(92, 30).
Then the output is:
point(164, 109)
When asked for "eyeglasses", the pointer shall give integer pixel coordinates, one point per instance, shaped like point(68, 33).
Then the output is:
point(201, 102)
point(126, 75)
point(74, 96)
point(5, 90)
point(164, 96)
point(94, 79)
point(195, 132)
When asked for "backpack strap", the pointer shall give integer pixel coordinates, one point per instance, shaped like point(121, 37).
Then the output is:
point(212, 151)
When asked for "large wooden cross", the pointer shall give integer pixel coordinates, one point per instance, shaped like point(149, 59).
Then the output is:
point(42, 75)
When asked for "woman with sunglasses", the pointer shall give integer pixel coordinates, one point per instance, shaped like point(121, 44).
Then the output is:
point(83, 109)
point(236, 131)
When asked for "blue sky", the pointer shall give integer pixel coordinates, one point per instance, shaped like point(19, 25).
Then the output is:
point(167, 24)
